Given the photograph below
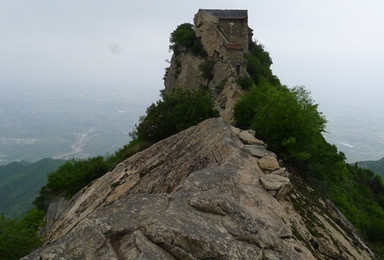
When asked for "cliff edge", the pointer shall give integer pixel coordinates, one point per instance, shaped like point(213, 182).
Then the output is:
point(210, 192)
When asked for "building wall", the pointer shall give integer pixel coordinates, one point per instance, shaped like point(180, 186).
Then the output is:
point(236, 31)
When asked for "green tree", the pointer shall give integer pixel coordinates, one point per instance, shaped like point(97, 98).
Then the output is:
point(184, 37)
point(71, 177)
point(259, 63)
point(287, 120)
point(175, 112)
point(18, 237)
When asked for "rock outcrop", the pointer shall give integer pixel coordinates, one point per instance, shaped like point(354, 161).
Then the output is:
point(225, 49)
point(200, 194)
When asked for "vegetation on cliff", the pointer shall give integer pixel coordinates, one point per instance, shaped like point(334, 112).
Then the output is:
point(259, 64)
point(288, 120)
point(184, 38)
point(175, 112)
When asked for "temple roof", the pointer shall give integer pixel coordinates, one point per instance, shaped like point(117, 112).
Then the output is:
point(227, 14)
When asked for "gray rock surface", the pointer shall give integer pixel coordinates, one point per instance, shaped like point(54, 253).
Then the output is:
point(259, 150)
point(269, 163)
point(248, 138)
point(194, 195)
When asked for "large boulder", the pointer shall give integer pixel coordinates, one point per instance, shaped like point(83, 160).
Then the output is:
point(269, 163)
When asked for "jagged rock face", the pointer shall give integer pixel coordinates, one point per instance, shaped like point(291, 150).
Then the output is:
point(56, 207)
point(184, 72)
point(194, 195)
point(207, 31)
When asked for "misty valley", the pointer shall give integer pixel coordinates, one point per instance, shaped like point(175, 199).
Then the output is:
point(35, 126)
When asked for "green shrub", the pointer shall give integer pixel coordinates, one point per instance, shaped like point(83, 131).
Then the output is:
point(127, 151)
point(246, 83)
point(184, 37)
point(19, 237)
point(177, 111)
point(71, 177)
point(258, 64)
point(75, 174)
point(286, 119)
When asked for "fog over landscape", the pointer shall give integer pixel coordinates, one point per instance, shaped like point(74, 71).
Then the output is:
point(76, 75)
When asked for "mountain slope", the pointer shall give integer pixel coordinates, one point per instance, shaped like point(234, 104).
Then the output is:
point(376, 166)
point(208, 192)
point(20, 183)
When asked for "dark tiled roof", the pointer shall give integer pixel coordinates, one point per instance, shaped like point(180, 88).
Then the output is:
point(228, 14)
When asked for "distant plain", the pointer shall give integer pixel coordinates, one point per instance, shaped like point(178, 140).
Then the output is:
point(80, 124)
point(74, 124)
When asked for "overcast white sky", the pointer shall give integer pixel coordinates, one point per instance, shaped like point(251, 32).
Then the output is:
point(333, 48)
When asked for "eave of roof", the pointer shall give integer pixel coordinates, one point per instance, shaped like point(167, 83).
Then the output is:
point(227, 14)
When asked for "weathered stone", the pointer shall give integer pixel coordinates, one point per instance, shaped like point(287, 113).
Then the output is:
point(282, 172)
point(235, 130)
point(194, 195)
point(273, 182)
point(184, 72)
point(284, 190)
point(270, 255)
point(252, 132)
point(247, 138)
point(269, 163)
point(259, 150)
point(56, 207)
point(327, 248)
point(206, 24)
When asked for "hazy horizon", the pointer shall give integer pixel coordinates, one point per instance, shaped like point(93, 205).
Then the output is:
point(69, 53)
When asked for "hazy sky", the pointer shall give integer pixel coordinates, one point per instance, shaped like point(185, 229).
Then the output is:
point(334, 48)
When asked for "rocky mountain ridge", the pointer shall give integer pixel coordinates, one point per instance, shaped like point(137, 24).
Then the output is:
point(211, 191)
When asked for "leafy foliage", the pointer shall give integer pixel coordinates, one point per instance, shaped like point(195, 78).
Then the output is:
point(134, 146)
point(75, 174)
point(259, 63)
point(184, 37)
point(246, 83)
point(18, 237)
point(70, 178)
point(177, 111)
point(286, 119)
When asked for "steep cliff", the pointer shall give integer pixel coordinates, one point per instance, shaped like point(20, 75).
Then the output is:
point(209, 192)
point(225, 59)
